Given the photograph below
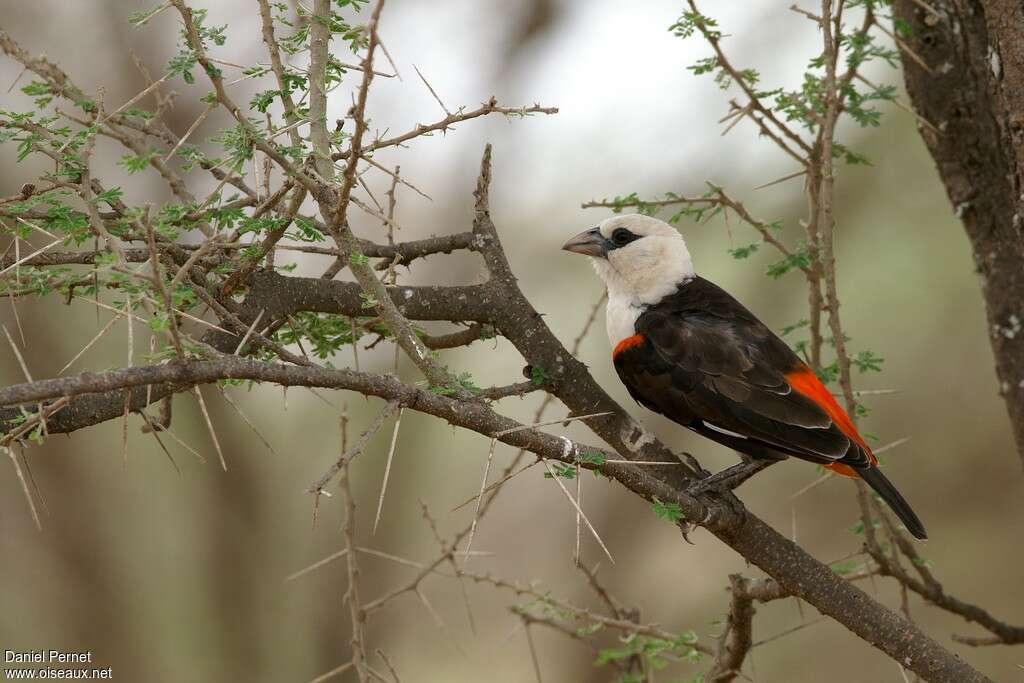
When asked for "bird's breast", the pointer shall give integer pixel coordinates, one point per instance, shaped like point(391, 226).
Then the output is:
point(620, 318)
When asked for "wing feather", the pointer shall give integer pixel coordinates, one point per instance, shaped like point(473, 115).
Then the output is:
point(706, 357)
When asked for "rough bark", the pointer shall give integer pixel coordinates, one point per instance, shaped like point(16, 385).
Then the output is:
point(973, 92)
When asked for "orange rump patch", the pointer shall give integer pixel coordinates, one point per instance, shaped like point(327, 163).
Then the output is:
point(843, 470)
point(627, 343)
point(804, 381)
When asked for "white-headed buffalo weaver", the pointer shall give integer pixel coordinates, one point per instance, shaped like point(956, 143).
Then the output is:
point(687, 349)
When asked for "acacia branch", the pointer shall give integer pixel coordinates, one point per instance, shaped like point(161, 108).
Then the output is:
point(736, 640)
point(277, 66)
point(489, 107)
point(720, 199)
point(319, 47)
point(404, 252)
point(929, 588)
point(766, 114)
point(213, 73)
point(347, 455)
point(334, 209)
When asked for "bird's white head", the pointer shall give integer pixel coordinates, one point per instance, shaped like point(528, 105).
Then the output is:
point(640, 259)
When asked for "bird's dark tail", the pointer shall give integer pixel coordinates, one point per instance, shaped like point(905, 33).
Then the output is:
point(883, 487)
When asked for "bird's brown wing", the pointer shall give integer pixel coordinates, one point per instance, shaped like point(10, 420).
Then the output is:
point(703, 360)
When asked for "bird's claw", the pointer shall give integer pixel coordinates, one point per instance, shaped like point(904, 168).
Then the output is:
point(714, 495)
point(687, 528)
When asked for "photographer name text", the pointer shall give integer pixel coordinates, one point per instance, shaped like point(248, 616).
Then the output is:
point(46, 657)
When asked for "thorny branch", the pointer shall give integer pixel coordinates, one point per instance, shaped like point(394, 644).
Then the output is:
point(736, 639)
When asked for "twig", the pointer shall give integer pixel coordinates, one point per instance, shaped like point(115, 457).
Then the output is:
point(356, 613)
point(389, 665)
point(489, 107)
point(735, 642)
point(320, 484)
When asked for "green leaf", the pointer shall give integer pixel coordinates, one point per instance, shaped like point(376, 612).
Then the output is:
point(307, 231)
point(182, 64)
point(690, 22)
point(852, 158)
point(466, 381)
point(867, 361)
point(800, 324)
point(111, 196)
point(561, 469)
point(801, 258)
point(745, 251)
point(261, 101)
point(844, 568)
point(668, 511)
point(138, 113)
point(133, 164)
point(858, 528)
point(160, 322)
point(238, 142)
point(41, 91)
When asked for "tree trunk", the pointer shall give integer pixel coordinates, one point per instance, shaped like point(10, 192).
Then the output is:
point(973, 93)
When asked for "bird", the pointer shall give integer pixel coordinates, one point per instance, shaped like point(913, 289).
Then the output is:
point(687, 349)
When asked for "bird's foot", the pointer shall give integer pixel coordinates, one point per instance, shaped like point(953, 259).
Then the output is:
point(728, 479)
point(721, 485)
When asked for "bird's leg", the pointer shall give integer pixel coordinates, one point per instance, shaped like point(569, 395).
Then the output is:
point(729, 478)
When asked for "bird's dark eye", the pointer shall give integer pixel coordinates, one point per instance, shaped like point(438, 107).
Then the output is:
point(622, 237)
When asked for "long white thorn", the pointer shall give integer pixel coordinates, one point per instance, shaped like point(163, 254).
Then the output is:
point(30, 256)
point(99, 335)
point(209, 426)
point(231, 402)
point(24, 487)
point(387, 470)
point(479, 498)
point(579, 510)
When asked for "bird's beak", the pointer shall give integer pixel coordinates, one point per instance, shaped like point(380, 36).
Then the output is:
point(588, 243)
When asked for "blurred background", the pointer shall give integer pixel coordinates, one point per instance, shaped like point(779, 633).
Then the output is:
point(181, 578)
